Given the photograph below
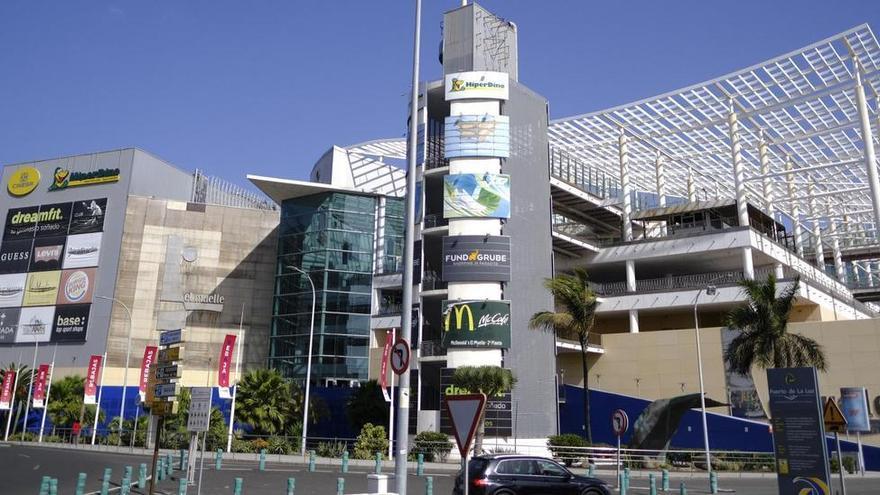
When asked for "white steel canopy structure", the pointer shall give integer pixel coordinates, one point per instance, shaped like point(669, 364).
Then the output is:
point(793, 125)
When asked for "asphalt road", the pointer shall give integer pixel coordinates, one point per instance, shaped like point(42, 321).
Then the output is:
point(24, 466)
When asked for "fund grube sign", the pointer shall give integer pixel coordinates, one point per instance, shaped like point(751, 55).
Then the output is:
point(476, 258)
point(480, 323)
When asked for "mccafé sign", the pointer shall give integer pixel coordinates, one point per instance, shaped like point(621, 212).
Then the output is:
point(482, 324)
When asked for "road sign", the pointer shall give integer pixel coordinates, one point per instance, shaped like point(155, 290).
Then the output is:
point(171, 337)
point(168, 372)
point(171, 354)
point(619, 422)
point(465, 412)
point(151, 385)
point(163, 408)
point(833, 417)
point(400, 357)
point(165, 390)
point(199, 409)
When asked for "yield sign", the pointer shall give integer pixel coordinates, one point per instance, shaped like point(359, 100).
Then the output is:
point(465, 412)
point(834, 419)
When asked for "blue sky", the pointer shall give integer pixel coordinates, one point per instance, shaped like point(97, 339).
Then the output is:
point(266, 87)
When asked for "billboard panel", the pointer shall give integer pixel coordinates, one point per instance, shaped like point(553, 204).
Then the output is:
point(476, 258)
point(47, 254)
point(480, 323)
point(21, 223)
point(12, 289)
point(477, 135)
point(88, 216)
point(35, 325)
point(476, 196)
point(9, 324)
point(53, 219)
point(15, 256)
point(477, 85)
point(82, 250)
point(41, 288)
point(71, 323)
point(77, 286)
point(854, 405)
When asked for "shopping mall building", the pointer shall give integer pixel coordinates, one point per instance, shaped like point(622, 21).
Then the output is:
point(762, 171)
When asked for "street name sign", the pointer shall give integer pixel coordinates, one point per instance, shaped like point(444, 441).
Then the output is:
point(199, 409)
point(168, 372)
point(163, 408)
point(171, 337)
point(165, 390)
point(171, 354)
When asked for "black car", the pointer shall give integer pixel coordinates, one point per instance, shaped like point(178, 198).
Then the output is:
point(525, 475)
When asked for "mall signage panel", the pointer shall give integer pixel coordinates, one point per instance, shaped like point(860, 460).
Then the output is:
point(477, 323)
point(23, 181)
point(48, 261)
point(499, 409)
point(854, 405)
point(477, 85)
point(798, 431)
point(64, 178)
point(476, 258)
point(477, 136)
point(476, 196)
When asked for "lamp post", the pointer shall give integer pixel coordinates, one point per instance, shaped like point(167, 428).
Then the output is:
point(305, 424)
point(127, 358)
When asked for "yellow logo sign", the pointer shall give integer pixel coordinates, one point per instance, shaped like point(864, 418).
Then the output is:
point(23, 181)
point(459, 317)
point(833, 416)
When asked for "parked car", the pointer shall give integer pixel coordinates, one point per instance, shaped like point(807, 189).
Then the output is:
point(509, 474)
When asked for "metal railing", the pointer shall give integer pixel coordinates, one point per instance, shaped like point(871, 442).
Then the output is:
point(435, 220)
point(677, 282)
point(432, 348)
point(571, 170)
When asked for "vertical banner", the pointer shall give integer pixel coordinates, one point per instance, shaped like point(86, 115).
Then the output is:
point(149, 358)
point(40, 387)
point(92, 376)
point(383, 369)
point(224, 366)
point(6, 390)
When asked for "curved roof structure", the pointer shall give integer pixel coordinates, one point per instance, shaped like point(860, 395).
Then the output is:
point(379, 166)
point(803, 103)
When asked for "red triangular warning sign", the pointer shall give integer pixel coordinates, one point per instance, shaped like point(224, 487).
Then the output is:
point(833, 416)
point(465, 412)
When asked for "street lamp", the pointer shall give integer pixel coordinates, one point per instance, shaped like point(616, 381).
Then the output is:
point(305, 423)
point(127, 358)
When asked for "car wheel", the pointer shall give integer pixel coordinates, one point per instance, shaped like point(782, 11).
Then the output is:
point(591, 491)
point(503, 492)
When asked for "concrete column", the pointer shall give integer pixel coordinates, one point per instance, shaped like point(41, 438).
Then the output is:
point(839, 268)
point(795, 209)
point(817, 230)
point(739, 185)
point(875, 269)
point(692, 186)
point(766, 182)
point(869, 273)
point(623, 154)
point(661, 187)
point(868, 146)
point(630, 276)
point(748, 263)
point(778, 271)
point(633, 321)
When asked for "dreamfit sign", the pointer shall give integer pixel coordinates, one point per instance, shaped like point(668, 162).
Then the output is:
point(477, 85)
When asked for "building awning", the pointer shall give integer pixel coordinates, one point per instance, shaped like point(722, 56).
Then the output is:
point(283, 189)
point(676, 209)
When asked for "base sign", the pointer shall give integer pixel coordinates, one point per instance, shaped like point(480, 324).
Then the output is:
point(798, 431)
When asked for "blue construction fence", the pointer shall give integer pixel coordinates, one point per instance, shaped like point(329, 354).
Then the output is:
point(725, 432)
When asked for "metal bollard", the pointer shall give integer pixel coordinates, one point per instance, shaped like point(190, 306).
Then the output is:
point(664, 480)
point(682, 490)
point(420, 466)
point(105, 481)
point(44, 485)
point(621, 481)
point(181, 486)
point(218, 459)
point(291, 486)
point(340, 486)
point(345, 461)
point(236, 490)
point(429, 485)
point(262, 459)
point(169, 465)
point(378, 463)
point(160, 469)
point(126, 480)
point(53, 486)
point(142, 476)
point(81, 484)
point(652, 484)
point(311, 461)
point(591, 471)
point(626, 478)
point(182, 465)
point(713, 482)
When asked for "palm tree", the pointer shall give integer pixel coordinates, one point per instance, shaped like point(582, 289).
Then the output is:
point(577, 312)
point(765, 340)
point(489, 380)
point(65, 401)
point(265, 401)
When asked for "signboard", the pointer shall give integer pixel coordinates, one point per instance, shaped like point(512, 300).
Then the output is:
point(167, 371)
point(199, 418)
point(35, 325)
point(64, 178)
point(832, 416)
point(93, 372)
point(12, 289)
point(41, 288)
point(400, 357)
point(47, 254)
point(40, 386)
point(163, 390)
point(88, 216)
point(464, 412)
point(163, 408)
point(170, 337)
point(203, 302)
point(21, 223)
point(9, 324)
point(224, 365)
point(77, 286)
point(476, 258)
point(6, 389)
point(383, 366)
point(149, 395)
point(477, 85)
point(23, 181)
point(15, 256)
point(146, 362)
point(798, 433)
point(476, 324)
point(70, 323)
point(53, 220)
point(83, 250)
point(619, 422)
point(170, 354)
point(854, 405)
point(498, 419)
point(417, 262)
point(476, 196)
point(476, 136)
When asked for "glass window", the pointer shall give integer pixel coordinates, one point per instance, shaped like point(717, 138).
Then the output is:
point(516, 466)
point(549, 468)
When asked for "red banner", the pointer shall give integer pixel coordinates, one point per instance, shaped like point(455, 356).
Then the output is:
point(40, 386)
point(6, 391)
point(149, 357)
point(383, 373)
point(225, 361)
point(93, 373)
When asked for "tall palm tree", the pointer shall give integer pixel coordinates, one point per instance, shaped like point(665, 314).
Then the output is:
point(266, 401)
point(765, 340)
point(577, 313)
point(65, 401)
point(489, 380)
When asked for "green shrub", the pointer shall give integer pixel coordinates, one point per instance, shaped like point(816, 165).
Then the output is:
point(371, 439)
point(259, 444)
point(331, 449)
point(848, 463)
point(567, 447)
point(278, 445)
point(433, 444)
point(242, 446)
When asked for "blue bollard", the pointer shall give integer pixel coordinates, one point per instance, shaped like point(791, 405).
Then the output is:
point(53, 486)
point(81, 484)
point(105, 481)
point(378, 463)
point(345, 461)
point(682, 490)
point(218, 459)
point(420, 466)
point(652, 484)
point(429, 485)
point(626, 478)
point(181, 486)
point(291, 486)
point(622, 482)
point(591, 471)
point(262, 459)
point(713, 482)
point(665, 480)
point(169, 465)
point(236, 489)
point(340, 486)
point(160, 469)
point(182, 458)
point(126, 481)
point(311, 461)
point(142, 476)
point(44, 485)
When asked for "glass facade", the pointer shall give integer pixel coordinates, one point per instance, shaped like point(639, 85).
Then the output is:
point(393, 254)
point(331, 237)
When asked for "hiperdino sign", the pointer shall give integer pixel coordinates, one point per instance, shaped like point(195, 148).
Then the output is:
point(203, 302)
point(481, 323)
point(477, 85)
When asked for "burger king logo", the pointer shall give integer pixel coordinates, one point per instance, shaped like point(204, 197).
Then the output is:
point(77, 286)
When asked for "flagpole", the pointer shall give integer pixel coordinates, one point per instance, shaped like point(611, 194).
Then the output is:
point(235, 384)
point(27, 406)
point(100, 392)
point(48, 391)
point(12, 399)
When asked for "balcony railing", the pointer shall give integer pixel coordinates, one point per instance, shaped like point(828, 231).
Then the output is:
point(677, 282)
point(432, 348)
point(435, 220)
point(389, 309)
point(571, 170)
